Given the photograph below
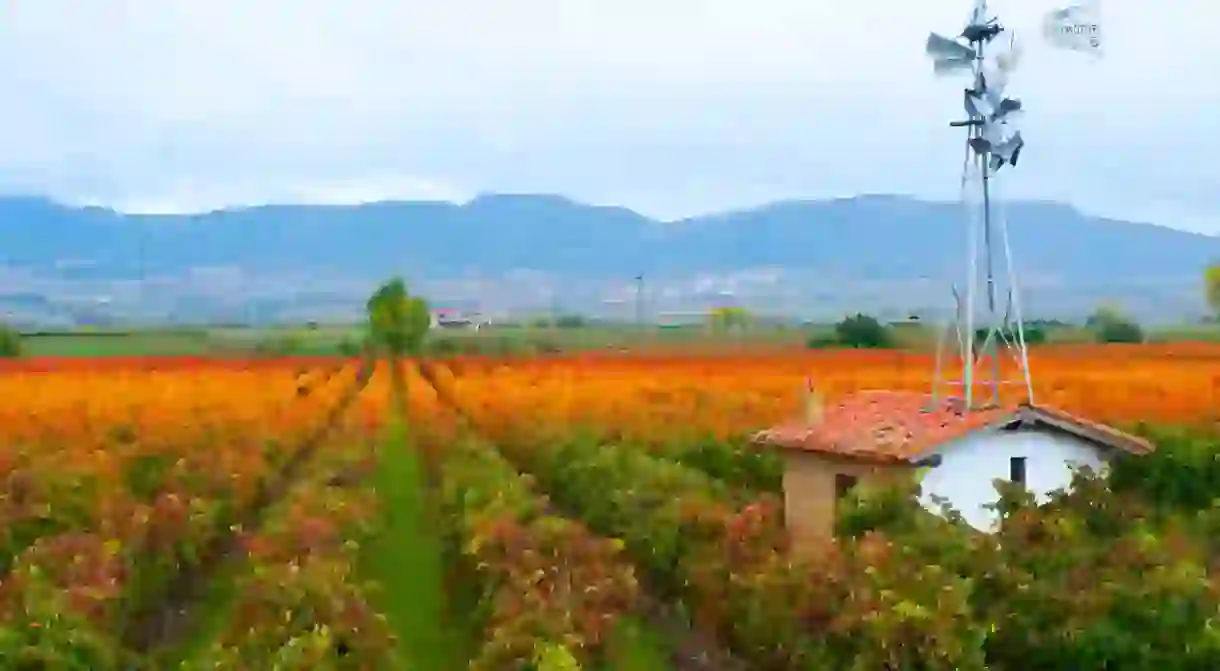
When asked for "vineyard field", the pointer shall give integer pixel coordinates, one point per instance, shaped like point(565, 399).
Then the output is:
point(597, 511)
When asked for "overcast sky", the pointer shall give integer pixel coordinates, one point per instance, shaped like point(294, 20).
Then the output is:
point(671, 107)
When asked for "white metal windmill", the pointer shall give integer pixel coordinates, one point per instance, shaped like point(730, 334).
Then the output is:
point(986, 51)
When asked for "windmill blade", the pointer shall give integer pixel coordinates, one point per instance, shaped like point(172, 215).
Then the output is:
point(992, 117)
point(998, 142)
point(995, 80)
point(1009, 112)
point(1007, 152)
point(984, 102)
point(1075, 28)
point(1000, 132)
point(942, 49)
point(1008, 58)
point(979, 105)
point(946, 67)
point(995, 94)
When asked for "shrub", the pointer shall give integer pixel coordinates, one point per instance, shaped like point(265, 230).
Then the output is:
point(1035, 335)
point(285, 345)
point(821, 341)
point(545, 586)
point(444, 347)
point(1109, 325)
point(738, 462)
point(570, 322)
point(10, 342)
point(1120, 331)
point(349, 347)
point(863, 332)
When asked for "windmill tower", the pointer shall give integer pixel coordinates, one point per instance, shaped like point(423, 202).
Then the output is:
point(986, 335)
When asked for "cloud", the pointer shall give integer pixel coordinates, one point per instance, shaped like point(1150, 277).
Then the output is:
point(673, 107)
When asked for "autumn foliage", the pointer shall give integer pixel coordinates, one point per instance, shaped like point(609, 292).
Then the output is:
point(566, 489)
point(1060, 585)
point(656, 399)
point(119, 480)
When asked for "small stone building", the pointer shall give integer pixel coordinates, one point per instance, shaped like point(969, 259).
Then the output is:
point(881, 437)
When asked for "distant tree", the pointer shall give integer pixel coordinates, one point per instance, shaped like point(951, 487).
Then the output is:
point(1034, 334)
point(398, 326)
point(1111, 325)
point(10, 342)
point(863, 332)
point(1211, 282)
point(398, 321)
point(1103, 314)
point(570, 322)
point(728, 319)
point(1121, 332)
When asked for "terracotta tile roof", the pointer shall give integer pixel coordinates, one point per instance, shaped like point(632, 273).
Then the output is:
point(893, 426)
point(1102, 433)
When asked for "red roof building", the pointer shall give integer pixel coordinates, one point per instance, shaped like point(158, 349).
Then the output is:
point(881, 436)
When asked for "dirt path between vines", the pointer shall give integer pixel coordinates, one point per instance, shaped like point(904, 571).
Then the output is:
point(166, 623)
point(690, 649)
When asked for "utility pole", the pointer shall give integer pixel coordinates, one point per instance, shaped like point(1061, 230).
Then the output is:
point(639, 301)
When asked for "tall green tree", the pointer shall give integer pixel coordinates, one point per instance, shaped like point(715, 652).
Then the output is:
point(398, 321)
point(728, 319)
point(398, 328)
point(1211, 283)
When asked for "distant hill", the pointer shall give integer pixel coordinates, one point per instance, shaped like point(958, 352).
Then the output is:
point(866, 238)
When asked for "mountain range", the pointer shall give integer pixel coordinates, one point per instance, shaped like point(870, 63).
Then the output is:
point(514, 252)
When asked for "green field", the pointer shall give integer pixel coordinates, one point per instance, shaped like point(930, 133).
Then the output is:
point(334, 340)
point(322, 341)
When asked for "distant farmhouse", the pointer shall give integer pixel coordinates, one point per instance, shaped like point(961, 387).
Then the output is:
point(447, 318)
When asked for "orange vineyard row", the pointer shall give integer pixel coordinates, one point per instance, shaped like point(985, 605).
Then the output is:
point(659, 398)
point(87, 410)
point(102, 450)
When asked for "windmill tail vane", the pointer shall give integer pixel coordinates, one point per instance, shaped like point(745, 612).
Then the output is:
point(1077, 28)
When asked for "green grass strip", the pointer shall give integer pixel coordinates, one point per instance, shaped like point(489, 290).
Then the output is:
point(635, 647)
point(405, 560)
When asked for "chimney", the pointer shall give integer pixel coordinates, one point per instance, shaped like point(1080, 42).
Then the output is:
point(814, 405)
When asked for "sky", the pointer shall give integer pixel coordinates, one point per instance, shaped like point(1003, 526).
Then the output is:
point(671, 108)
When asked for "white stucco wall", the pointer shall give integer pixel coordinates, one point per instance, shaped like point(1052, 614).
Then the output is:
point(970, 464)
